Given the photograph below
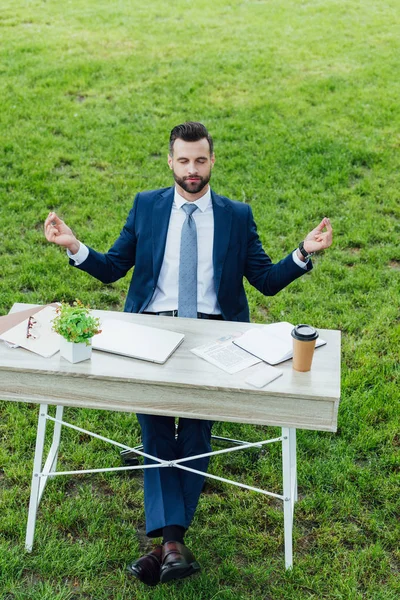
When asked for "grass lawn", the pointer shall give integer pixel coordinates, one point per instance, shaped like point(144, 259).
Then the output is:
point(302, 98)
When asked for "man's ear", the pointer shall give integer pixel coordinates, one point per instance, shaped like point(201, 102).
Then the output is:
point(212, 159)
point(170, 161)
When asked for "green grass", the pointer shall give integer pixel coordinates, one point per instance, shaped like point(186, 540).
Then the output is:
point(302, 98)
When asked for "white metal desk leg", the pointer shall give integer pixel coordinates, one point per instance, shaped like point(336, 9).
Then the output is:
point(37, 467)
point(51, 462)
point(293, 463)
point(287, 498)
point(57, 435)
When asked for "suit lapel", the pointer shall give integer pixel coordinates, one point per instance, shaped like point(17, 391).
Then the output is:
point(160, 222)
point(222, 232)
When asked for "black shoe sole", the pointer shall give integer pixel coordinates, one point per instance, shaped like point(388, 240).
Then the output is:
point(139, 575)
point(179, 572)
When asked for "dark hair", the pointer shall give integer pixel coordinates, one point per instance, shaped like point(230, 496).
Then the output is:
point(189, 132)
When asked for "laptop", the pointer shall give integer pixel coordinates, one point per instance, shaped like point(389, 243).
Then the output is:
point(136, 341)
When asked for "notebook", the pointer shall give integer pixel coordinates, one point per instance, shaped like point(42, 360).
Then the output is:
point(15, 318)
point(40, 338)
point(136, 341)
point(272, 343)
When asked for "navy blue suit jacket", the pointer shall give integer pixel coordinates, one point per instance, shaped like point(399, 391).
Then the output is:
point(237, 253)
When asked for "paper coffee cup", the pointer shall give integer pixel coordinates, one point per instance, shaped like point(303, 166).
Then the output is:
point(304, 339)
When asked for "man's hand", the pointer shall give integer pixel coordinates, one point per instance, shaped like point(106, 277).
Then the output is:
point(318, 239)
point(57, 232)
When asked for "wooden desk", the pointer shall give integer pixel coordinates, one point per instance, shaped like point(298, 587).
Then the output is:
point(185, 386)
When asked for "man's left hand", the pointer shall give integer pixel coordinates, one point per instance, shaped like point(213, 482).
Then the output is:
point(319, 238)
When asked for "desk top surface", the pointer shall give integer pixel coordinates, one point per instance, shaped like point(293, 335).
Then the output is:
point(183, 368)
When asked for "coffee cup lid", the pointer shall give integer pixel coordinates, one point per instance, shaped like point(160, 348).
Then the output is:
point(304, 333)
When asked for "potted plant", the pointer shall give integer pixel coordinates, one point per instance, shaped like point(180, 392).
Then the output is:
point(76, 326)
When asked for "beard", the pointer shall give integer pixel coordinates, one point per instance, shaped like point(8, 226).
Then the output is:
point(192, 187)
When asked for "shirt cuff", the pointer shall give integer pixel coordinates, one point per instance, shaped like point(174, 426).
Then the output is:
point(300, 263)
point(80, 256)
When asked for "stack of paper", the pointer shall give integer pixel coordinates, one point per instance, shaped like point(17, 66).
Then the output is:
point(223, 354)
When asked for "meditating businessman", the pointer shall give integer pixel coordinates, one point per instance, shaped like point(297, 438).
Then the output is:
point(191, 249)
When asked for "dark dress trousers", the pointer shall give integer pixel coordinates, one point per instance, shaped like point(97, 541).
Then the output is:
point(171, 495)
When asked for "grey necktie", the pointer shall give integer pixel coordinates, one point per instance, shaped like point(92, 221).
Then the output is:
point(187, 296)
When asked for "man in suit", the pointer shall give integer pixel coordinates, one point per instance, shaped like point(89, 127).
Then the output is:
point(191, 249)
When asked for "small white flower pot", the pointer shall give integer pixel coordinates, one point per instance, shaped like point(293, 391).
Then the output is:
point(75, 352)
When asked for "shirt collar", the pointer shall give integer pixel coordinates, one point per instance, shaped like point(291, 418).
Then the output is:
point(202, 203)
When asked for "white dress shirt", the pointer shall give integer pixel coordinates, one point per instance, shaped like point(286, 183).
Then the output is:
point(165, 296)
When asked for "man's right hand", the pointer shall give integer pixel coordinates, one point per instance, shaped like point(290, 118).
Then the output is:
point(57, 232)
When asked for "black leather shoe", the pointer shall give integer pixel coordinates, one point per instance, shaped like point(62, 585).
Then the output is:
point(147, 568)
point(177, 562)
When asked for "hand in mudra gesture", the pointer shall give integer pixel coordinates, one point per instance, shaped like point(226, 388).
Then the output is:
point(57, 232)
point(319, 238)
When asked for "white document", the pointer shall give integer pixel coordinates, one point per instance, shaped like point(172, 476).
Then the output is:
point(223, 354)
point(136, 341)
point(272, 343)
point(42, 339)
point(263, 376)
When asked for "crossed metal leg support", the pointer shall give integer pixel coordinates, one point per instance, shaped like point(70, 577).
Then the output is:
point(127, 455)
point(40, 475)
